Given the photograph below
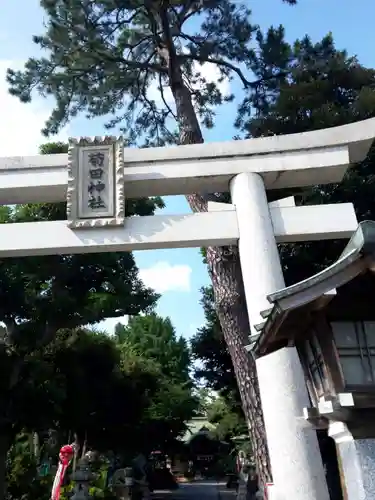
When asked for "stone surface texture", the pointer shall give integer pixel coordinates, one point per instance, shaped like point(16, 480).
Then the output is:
point(112, 149)
point(358, 463)
point(260, 262)
point(294, 451)
point(310, 158)
point(168, 231)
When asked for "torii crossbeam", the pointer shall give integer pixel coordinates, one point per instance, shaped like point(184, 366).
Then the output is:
point(97, 174)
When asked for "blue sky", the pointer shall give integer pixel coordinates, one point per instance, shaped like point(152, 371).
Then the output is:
point(178, 274)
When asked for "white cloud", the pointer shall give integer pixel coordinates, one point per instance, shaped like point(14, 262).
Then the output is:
point(21, 123)
point(164, 277)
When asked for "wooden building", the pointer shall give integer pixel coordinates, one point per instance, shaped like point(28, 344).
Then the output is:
point(330, 319)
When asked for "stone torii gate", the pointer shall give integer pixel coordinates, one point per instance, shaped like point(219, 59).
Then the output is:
point(96, 176)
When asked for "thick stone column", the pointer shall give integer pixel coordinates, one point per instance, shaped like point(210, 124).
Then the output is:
point(294, 452)
point(356, 455)
point(260, 262)
point(296, 461)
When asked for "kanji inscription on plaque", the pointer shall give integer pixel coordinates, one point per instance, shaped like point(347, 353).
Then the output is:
point(95, 184)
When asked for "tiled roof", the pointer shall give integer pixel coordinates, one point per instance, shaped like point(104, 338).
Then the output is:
point(195, 426)
point(358, 255)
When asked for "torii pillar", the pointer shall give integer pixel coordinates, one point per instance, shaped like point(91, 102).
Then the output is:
point(295, 457)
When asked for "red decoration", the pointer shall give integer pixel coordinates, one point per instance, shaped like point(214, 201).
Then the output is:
point(65, 457)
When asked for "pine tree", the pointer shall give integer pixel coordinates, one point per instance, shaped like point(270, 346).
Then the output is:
point(318, 86)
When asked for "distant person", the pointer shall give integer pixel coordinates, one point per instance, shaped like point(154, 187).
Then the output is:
point(252, 484)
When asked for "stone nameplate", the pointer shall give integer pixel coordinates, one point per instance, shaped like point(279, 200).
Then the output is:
point(95, 195)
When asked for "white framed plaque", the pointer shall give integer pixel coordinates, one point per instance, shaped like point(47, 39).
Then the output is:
point(95, 195)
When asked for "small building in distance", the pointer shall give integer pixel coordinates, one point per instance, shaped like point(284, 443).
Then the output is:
point(201, 450)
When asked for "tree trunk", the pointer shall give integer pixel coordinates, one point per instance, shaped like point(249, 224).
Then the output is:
point(225, 272)
point(4, 447)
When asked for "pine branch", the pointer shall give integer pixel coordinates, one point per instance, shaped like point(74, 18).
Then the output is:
point(186, 12)
point(219, 62)
point(141, 65)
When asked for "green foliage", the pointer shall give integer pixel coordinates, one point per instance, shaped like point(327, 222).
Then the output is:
point(209, 348)
point(105, 390)
point(151, 341)
point(96, 391)
point(107, 58)
point(317, 86)
point(228, 423)
point(155, 338)
point(112, 393)
point(23, 480)
point(82, 386)
point(204, 397)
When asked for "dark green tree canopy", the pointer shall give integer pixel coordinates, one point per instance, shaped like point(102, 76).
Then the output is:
point(316, 86)
point(209, 348)
point(106, 392)
point(85, 383)
point(228, 423)
point(155, 338)
point(152, 341)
